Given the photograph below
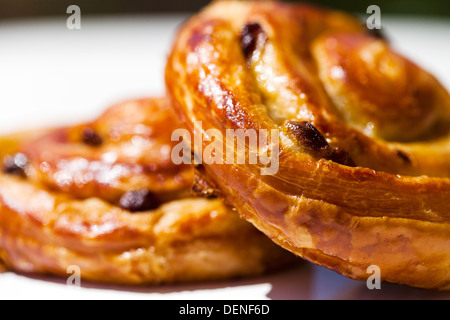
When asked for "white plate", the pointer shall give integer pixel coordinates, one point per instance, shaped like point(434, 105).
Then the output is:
point(50, 75)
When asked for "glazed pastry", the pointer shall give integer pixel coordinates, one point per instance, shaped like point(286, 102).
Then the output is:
point(364, 145)
point(106, 197)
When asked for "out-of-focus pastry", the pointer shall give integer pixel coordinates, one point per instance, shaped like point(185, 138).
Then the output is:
point(106, 197)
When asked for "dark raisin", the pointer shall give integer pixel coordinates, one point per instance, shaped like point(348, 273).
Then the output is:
point(403, 156)
point(308, 135)
point(341, 156)
point(15, 164)
point(311, 138)
point(139, 200)
point(378, 34)
point(90, 137)
point(251, 34)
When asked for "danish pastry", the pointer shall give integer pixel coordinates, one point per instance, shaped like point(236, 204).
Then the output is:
point(106, 197)
point(364, 144)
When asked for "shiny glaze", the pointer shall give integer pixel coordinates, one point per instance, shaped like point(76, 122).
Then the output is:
point(386, 210)
point(134, 154)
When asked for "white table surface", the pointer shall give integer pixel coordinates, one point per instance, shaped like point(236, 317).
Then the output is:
point(50, 75)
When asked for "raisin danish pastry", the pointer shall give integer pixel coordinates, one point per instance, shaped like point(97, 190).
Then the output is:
point(106, 197)
point(364, 144)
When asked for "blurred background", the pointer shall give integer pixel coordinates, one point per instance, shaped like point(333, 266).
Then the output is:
point(10, 9)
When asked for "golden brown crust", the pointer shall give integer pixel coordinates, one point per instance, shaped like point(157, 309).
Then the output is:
point(192, 239)
point(45, 226)
point(133, 152)
point(268, 65)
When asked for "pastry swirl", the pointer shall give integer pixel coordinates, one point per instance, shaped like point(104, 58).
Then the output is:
point(364, 160)
point(105, 196)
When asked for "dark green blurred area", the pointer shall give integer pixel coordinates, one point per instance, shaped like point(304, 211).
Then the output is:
point(10, 9)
